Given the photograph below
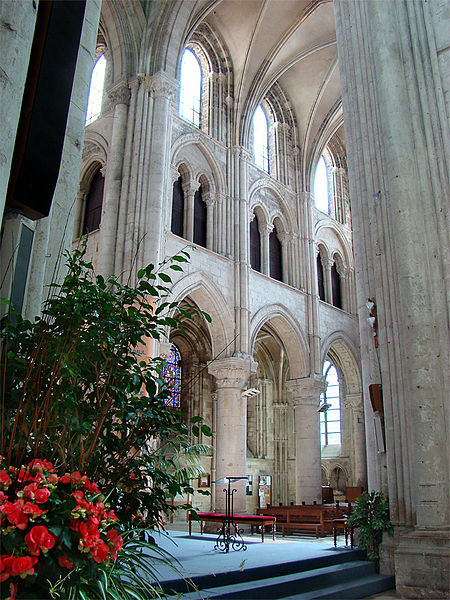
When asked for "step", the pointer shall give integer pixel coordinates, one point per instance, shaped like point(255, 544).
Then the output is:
point(355, 589)
point(288, 585)
point(259, 573)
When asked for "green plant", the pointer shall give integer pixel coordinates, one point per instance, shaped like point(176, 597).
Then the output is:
point(370, 514)
point(76, 389)
point(79, 388)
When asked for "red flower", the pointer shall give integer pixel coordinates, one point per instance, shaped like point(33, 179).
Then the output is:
point(23, 565)
point(15, 514)
point(100, 551)
point(78, 495)
point(116, 540)
point(33, 510)
point(5, 479)
point(64, 562)
point(40, 465)
point(39, 537)
point(6, 562)
point(2, 497)
point(40, 495)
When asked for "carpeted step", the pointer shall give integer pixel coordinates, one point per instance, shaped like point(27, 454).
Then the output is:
point(354, 589)
point(314, 581)
point(259, 573)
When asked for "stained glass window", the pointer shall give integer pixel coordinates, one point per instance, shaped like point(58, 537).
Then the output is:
point(330, 419)
point(171, 373)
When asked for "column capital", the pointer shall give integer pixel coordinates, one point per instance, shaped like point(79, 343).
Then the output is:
point(174, 173)
point(209, 198)
point(353, 402)
point(119, 94)
point(163, 86)
point(232, 372)
point(306, 390)
point(190, 187)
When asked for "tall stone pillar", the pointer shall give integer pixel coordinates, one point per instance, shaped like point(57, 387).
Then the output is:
point(305, 394)
point(353, 403)
point(163, 90)
point(392, 62)
point(327, 264)
point(231, 374)
point(189, 189)
point(120, 97)
point(210, 201)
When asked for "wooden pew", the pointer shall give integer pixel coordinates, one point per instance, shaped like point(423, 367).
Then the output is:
point(261, 521)
point(304, 519)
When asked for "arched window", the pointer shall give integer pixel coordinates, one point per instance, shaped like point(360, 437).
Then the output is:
point(176, 225)
point(320, 280)
point(275, 256)
point(336, 287)
point(330, 417)
point(321, 186)
point(190, 88)
point(200, 216)
point(171, 373)
point(94, 106)
point(255, 245)
point(260, 139)
point(94, 201)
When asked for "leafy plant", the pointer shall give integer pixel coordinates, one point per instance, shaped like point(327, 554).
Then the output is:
point(76, 388)
point(370, 514)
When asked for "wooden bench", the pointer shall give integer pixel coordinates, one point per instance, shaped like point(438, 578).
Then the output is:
point(304, 519)
point(261, 521)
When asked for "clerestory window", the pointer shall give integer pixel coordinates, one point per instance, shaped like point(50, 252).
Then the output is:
point(330, 417)
point(190, 88)
point(94, 106)
point(260, 139)
point(321, 194)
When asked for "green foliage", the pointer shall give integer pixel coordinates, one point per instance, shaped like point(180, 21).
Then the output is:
point(78, 389)
point(370, 514)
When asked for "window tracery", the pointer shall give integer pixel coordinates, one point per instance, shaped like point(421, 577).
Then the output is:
point(190, 88)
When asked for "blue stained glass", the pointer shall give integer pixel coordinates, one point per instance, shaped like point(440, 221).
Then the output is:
point(171, 373)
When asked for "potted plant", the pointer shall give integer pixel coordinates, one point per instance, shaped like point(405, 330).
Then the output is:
point(370, 514)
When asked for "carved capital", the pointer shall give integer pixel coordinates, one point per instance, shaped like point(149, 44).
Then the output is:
point(119, 94)
point(353, 402)
point(163, 86)
point(306, 390)
point(232, 372)
point(209, 198)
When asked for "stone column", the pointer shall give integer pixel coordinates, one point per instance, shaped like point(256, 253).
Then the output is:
point(119, 96)
point(80, 208)
point(286, 245)
point(394, 89)
point(210, 200)
point(163, 90)
point(189, 189)
point(327, 264)
point(265, 231)
point(231, 375)
point(354, 405)
point(305, 394)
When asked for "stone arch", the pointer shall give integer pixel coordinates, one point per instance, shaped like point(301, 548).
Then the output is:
point(327, 230)
point(289, 333)
point(208, 297)
point(263, 187)
point(345, 357)
point(180, 149)
point(123, 32)
point(338, 477)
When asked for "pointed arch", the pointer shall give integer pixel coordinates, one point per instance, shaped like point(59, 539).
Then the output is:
point(289, 333)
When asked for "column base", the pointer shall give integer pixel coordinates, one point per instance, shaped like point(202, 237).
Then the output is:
point(422, 560)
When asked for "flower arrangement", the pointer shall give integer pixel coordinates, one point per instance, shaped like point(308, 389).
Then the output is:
point(75, 389)
point(52, 525)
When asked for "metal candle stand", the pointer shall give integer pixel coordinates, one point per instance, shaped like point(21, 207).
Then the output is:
point(229, 534)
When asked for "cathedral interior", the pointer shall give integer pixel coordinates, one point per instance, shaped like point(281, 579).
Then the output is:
point(298, 150)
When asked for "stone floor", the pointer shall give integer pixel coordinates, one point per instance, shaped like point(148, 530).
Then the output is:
point(196, 555)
